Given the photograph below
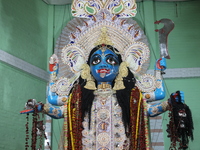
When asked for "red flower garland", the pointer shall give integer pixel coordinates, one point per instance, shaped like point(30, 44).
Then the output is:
point(137, 122)
point(76, 120)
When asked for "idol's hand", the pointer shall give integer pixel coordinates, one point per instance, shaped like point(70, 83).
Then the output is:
point(161, 64)
point(53, 68)
point(53, 63)
point(31, 105)
point(178, 97)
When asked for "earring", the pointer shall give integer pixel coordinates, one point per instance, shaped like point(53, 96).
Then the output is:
point(85, 74)
point(123, 72)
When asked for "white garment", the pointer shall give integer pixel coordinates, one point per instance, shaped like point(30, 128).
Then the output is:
point(107, 130)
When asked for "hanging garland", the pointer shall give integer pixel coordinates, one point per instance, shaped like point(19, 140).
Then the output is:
point(38, 131)
point(138, 122)
point(34, 129)
point(27, 132)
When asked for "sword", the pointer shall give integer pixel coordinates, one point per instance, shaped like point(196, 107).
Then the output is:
point(163, 34)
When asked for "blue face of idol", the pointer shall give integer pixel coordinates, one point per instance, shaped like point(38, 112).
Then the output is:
point(104, 66)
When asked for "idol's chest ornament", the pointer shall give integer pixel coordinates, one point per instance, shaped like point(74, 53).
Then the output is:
point(104, 90)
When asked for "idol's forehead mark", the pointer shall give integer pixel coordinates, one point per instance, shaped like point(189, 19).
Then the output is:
point(104, 53)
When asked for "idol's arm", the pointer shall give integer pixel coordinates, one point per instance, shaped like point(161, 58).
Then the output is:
point(158, 108)
point(32, 106)
point(159, 92)
point(53, 97)
point(55, 112)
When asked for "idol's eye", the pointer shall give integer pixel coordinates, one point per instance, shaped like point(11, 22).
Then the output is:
point(96, 61)
point(111, 60)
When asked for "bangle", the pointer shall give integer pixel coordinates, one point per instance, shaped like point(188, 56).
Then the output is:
point(45, 108)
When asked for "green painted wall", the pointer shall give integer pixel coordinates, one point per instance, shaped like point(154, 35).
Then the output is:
point(24, 30)
point(16, 88)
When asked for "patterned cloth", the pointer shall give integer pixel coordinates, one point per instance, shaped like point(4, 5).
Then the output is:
point(107, 130)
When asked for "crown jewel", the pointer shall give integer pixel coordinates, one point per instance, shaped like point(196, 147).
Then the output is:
point(104, 38)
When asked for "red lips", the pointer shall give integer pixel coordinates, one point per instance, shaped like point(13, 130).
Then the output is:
point(103, 71)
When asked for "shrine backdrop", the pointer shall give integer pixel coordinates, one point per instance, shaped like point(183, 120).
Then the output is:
point(29, 30)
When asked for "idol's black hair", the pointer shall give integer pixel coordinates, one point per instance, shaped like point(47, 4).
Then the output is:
point(123, 96)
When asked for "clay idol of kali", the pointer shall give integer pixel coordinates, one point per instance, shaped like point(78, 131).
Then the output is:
point(99, 83)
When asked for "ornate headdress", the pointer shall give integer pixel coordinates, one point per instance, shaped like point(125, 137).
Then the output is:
point(103, 22)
